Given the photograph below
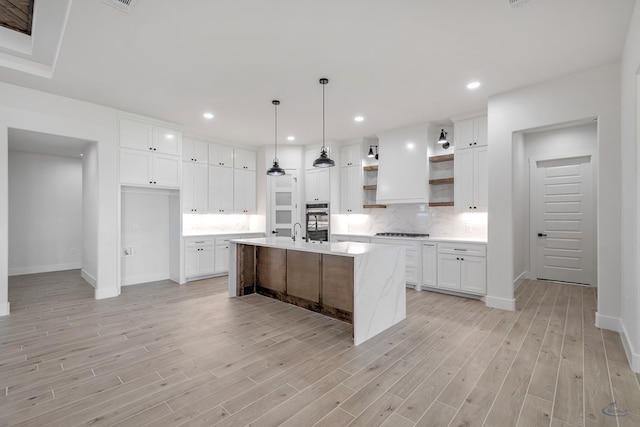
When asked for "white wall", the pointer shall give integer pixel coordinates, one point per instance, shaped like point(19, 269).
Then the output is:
point(32, 110)
point(592, 93)
point(90, 214)
point(630, 93)
point(45, 213)
point(544, 144)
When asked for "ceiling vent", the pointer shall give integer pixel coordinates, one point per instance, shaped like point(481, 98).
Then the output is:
point(517, 3)
point(122, 5)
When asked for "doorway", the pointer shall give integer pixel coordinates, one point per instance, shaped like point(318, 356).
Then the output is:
point(52, 220)
point(283, 204)
point(562, 203)
point(563, 213)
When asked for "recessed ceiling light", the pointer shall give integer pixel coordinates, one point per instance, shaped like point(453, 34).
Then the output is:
point(358, 118)
point(291, 138)
point(208, 116)
point(473, 85)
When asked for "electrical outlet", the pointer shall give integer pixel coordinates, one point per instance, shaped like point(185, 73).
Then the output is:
point(127, 251)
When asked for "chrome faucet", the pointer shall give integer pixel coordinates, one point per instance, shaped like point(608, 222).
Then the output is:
point(294, 230)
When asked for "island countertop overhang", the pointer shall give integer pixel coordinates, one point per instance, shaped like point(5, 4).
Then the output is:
point(349, 249)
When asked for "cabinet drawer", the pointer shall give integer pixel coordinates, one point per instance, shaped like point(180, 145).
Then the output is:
point(412, 258)
point(411, 274)
point(462, 249)
point(203, 241)
point(224, 240)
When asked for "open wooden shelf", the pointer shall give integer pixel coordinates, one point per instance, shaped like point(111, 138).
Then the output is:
point(374, 206)
point(370, 168)
point(443, 158)
point(440, 204)
point(440, 181)
point(370, 187)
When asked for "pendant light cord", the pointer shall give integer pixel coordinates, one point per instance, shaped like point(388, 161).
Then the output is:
point(323, 147)
point(276, 134)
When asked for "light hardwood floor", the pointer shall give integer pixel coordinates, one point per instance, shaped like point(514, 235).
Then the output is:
point(169, 355)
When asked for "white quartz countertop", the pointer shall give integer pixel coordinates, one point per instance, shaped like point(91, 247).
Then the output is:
point(341, 249)
point(452, 239)
point(221, 233)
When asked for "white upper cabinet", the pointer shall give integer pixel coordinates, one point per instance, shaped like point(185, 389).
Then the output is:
point(220, 189)
point(195, 187)
point(471, 182)
point(244, 191)
point(351, 189)
point(221, 155)
point(244, 159)
point(351, 155)
point(149, 154)
point(318, 185)
point(195, 151)
point(402, 166)
point(470, 132)
point(167, 141)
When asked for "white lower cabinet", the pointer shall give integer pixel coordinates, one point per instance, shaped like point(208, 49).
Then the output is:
point(198, 257)
point(412, 255)
point(462, 267)
point(222, 254)
point(429, 264)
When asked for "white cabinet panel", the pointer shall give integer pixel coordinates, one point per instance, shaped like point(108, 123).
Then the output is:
point(429, 264)
point(317, 185)
point(167, 141)
point(166, 170)
point(135, 167)
point(244, 159)
point(449, 271)
point(220, 189)
point(195, 151)
point(244, 191)
point(470, 133)
point(471, 180)
point(473, 275)
point(222, 258)
point(351, 189)
point(195, 187)
point(221, 155)
point(351, 155)
point(136, 135)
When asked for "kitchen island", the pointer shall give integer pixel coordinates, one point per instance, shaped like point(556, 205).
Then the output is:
point(360, 283)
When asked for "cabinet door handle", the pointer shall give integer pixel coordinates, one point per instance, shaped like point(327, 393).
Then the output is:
point(462, 250)
point(542, 234)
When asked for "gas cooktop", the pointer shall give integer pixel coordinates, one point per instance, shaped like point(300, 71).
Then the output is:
point(395, 234)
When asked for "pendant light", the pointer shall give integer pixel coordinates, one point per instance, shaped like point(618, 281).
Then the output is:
point(323, 161)
point(275, 170)
point(443, 139)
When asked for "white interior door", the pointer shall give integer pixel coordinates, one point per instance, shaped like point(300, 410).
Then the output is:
point(284, 204)
point(563, 207)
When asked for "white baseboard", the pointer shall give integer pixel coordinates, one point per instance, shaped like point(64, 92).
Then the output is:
point(5, 309)
point(44, 268)
point(508, 304)
point(608, 322)
point(144, 278)
point(525, 275)
point(89, 278)
point(632, 356)
point(111, 292)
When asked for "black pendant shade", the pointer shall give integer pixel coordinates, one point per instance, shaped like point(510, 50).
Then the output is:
point(275, 170)
point(323, 161)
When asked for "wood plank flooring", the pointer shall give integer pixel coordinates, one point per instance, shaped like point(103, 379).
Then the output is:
point(169, 355)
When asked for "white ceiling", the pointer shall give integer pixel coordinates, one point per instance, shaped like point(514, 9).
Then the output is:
point(396, 62)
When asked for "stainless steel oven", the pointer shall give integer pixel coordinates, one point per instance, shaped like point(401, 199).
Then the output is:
point(317, 221)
